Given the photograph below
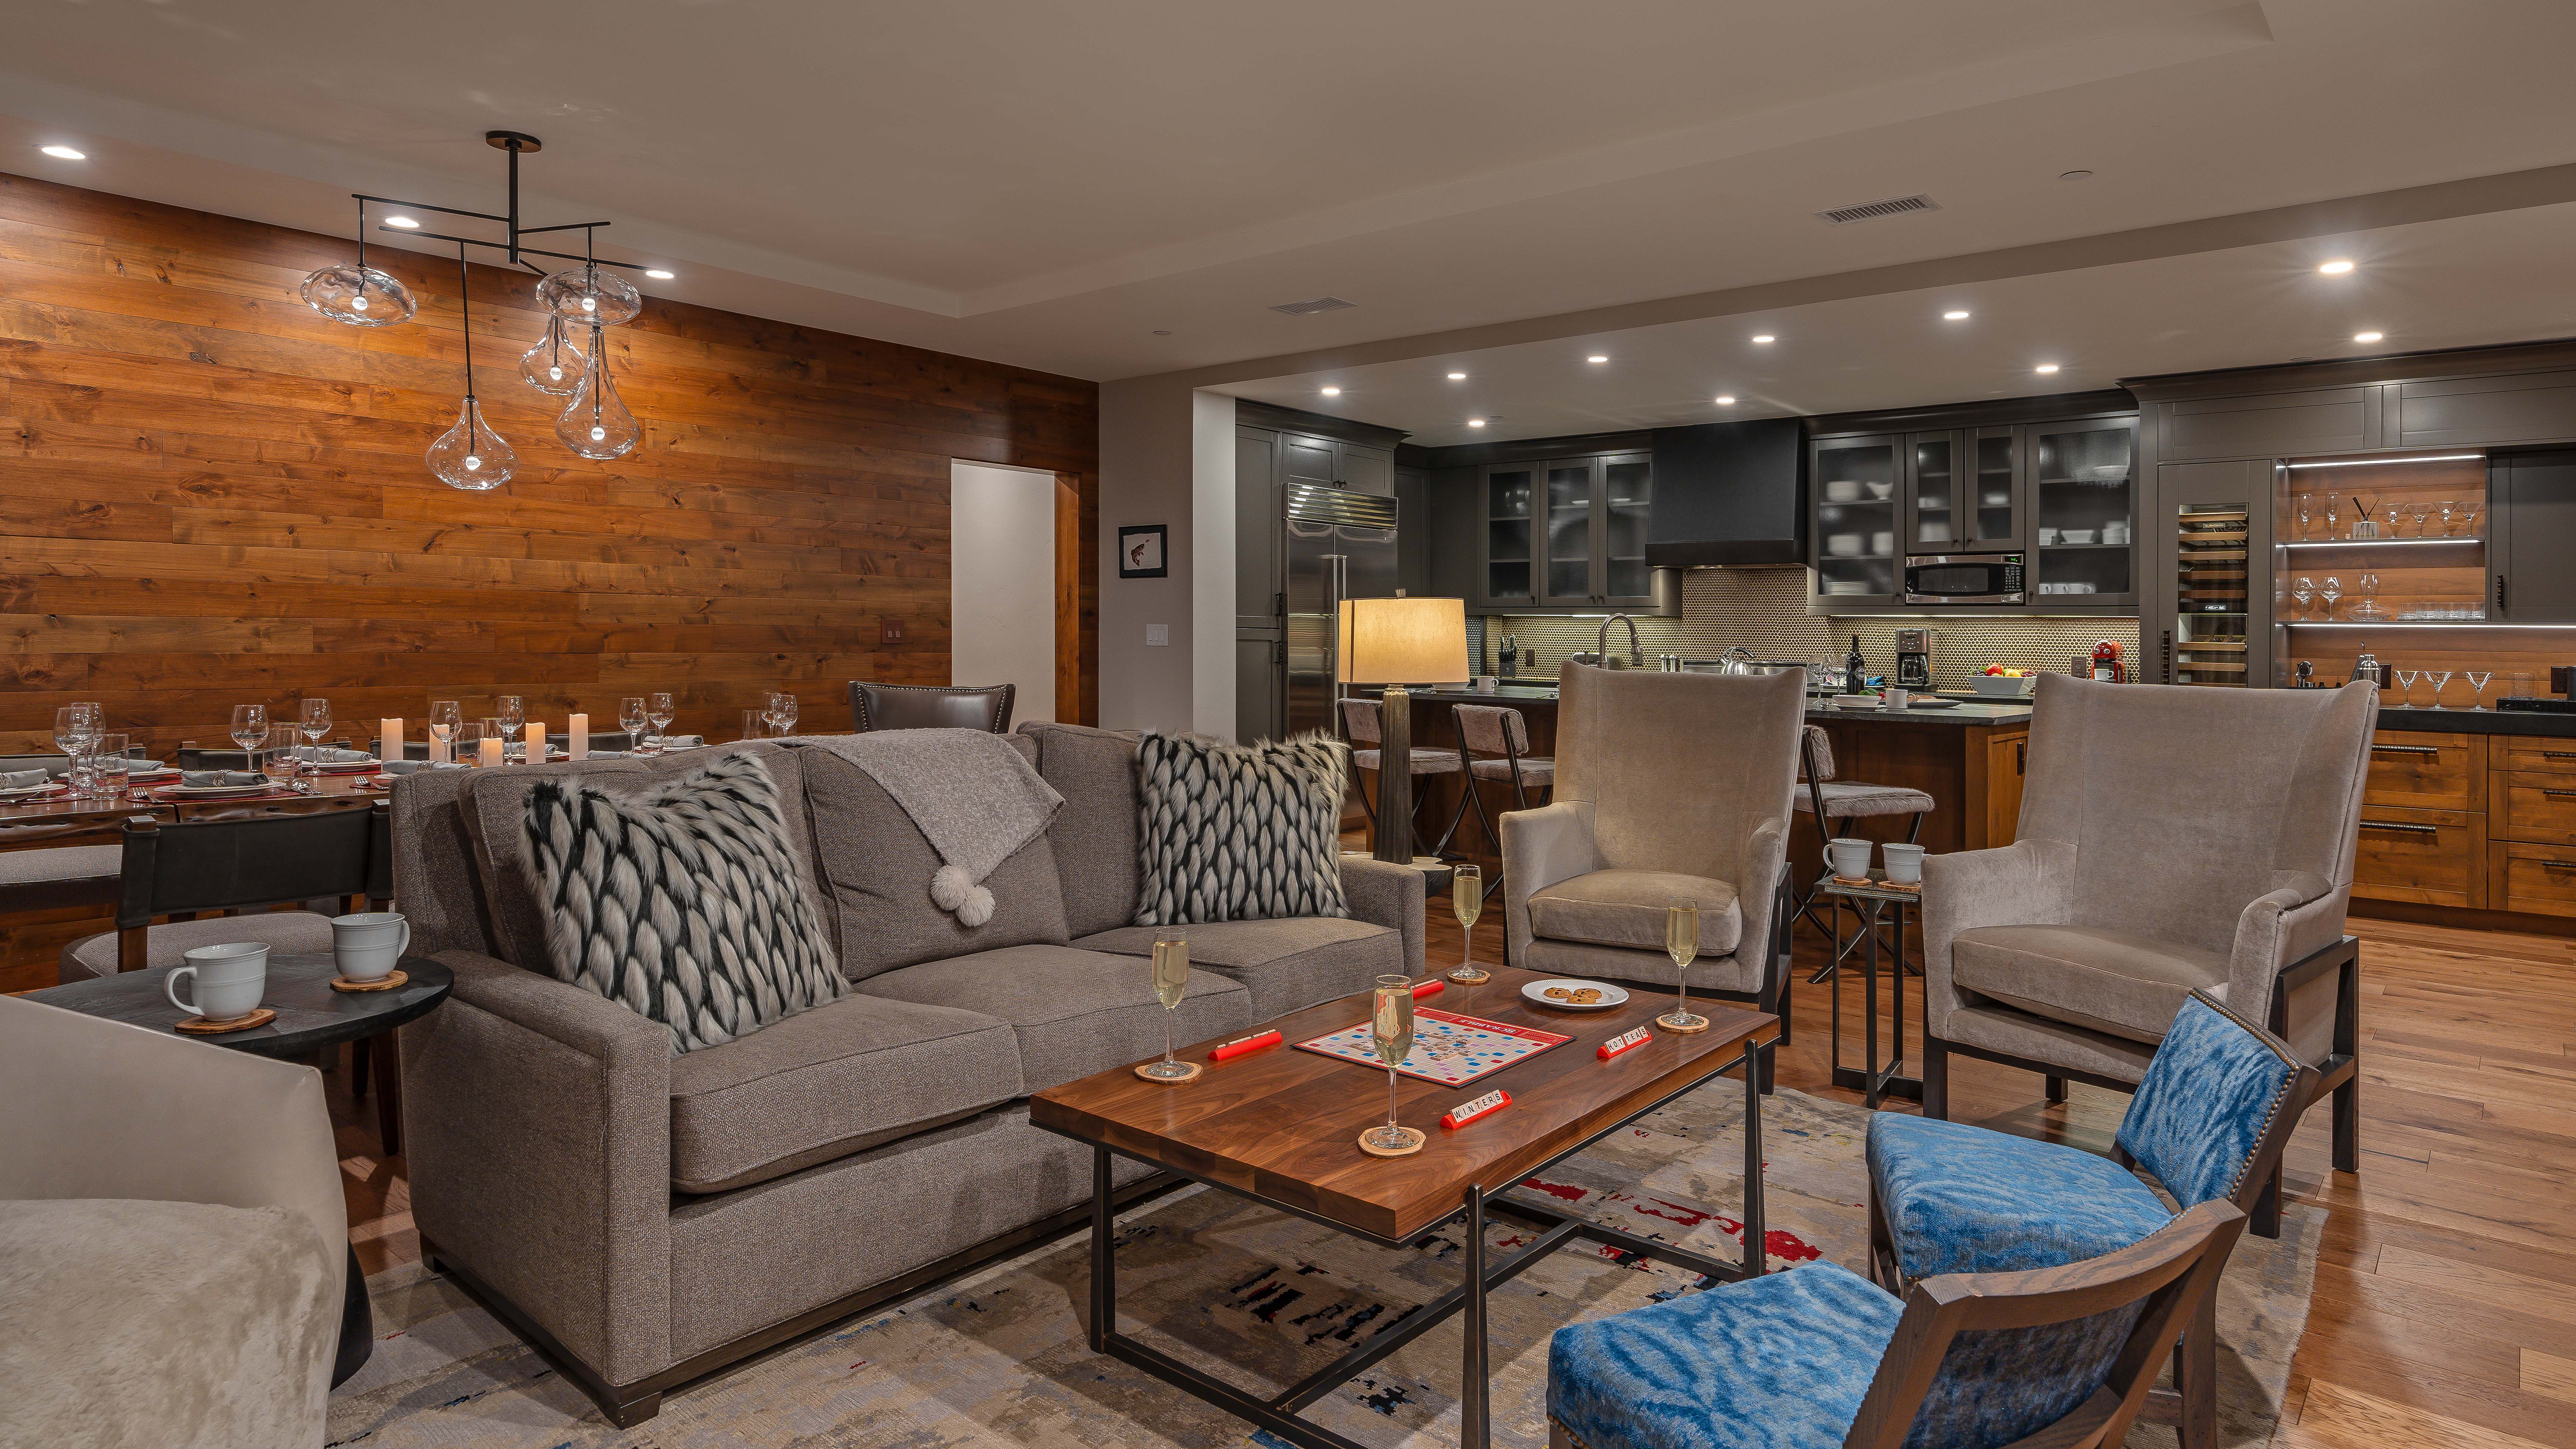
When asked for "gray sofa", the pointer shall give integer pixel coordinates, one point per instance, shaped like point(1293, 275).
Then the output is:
point(648, 1218)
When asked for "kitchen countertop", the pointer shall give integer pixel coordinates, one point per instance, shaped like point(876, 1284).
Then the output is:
point(2478, 722)
point(1979, 713)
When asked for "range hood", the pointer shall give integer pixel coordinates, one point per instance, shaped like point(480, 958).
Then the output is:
point(1729, 493)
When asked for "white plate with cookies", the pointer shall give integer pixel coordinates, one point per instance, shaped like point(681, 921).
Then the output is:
point(1566, 994)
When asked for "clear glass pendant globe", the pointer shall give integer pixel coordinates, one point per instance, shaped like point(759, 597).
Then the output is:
point(590, 294)
point(597, 424)
point(554, 366)
point(470, 455)
point(361, 297)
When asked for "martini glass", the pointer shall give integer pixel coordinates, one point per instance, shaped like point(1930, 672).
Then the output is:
point(2441, 680)
point(2478, 681)
point(2405, 687)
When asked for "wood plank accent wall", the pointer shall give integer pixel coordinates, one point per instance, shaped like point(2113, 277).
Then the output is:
point(211, 495)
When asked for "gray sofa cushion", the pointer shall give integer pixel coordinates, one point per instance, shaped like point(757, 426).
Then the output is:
point(2108, 981)
point(1095, 833)
point(1077, 1012)
point(829, 1082)
point(877, 865)
point(1627, 908)
point(1287, 965)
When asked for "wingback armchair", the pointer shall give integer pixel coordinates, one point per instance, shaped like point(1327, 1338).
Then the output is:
point(2171, 839)
point(1671, 789)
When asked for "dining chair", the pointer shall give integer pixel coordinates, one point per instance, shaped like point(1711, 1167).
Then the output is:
point(930, 706)
point(1819, 1356)
point(1360, 726)
point(37, 877)
point(2172, 838)
point(2208, 1122)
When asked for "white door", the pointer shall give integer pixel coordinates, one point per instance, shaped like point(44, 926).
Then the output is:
point(1001, 583)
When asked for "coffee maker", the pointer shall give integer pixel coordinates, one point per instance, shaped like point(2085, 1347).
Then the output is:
point(1914, 658)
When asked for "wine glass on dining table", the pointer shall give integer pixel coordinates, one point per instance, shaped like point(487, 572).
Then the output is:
point(445, 718)
point(1681, 942)
point(1467, 901)
point(1171, 980)
point(660, 711)
point(782, 712)
point(77, 728)
point(511, 712)
point(313, 719)
point(250, 730)
point(630, 715)
point(1391, 1036)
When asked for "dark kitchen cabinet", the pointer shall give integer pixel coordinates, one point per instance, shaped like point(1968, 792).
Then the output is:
point(2526, 407)
point(1965, 491)
point(1332, 463)
point(2083, 511)
point(2270, 425)
point(2533, 527)
point(1566, 533)
point(1858, 485)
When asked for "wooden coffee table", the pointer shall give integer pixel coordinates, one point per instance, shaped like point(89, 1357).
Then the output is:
point(1281, 1126)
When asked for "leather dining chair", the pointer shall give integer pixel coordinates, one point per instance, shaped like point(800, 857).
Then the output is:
point(930, 706)
point(53, 877)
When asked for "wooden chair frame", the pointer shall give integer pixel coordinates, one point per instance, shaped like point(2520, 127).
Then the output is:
point(1469, 798)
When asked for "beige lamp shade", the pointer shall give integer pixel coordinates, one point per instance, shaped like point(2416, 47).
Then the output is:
point(1403, 641)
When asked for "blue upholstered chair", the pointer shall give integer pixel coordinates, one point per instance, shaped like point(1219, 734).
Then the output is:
point(1819, 1356)
point(2208, 1122)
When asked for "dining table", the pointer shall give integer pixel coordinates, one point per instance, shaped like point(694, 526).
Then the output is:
point(95, 820)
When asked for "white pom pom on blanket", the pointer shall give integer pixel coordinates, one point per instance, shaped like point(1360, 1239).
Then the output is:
point(954, 891)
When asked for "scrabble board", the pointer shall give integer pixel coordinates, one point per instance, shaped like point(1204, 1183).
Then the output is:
point(1448, 1049)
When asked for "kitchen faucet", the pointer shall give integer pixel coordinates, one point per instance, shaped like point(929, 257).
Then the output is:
point(1601, 643)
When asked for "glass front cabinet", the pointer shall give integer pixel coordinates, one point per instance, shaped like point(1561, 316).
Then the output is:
point(1567, 533)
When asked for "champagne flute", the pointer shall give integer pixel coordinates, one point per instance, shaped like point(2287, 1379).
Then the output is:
point(1171, 978)
point(444, 719)
point(1681, 942)
point(313, 718)
point(2307, 512)
point(1391, 1035)
point(660, 712)
point(1467, 898)
point(2334, 512)
point(630, 714)
point(2478, 681)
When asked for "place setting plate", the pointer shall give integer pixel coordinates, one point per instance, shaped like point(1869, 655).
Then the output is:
point(210, 792)
point(30, 794)
point(1574, 995)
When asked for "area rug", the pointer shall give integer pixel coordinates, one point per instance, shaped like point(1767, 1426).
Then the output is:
point(1256, 1297)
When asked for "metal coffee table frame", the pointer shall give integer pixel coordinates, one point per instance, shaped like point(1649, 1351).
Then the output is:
point(1280, 1412)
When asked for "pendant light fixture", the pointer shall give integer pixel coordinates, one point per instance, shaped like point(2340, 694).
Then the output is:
point(359, 295)
point(597, 425)
point(470, 455)
point(554, 365)
point(587, 294)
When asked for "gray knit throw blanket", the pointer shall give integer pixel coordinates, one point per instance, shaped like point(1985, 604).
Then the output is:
point(976, 799)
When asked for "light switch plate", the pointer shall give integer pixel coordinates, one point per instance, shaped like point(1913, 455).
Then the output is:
point(1158, 635)
point(890, 631)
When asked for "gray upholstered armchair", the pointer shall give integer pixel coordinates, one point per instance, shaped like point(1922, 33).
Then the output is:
point(2171, 838)
point(1671, 789)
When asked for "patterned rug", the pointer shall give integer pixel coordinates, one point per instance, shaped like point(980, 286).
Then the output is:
point(1256, 1297)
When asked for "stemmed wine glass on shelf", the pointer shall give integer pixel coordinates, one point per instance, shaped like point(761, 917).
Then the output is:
point(2329, 592)
point(444, 719)
point(2405, 687)
point(1171, 979)
point(1391, 1035)
point(2307, 513)
point(659, 710)
point(2422, 509)
point(2469, 519)
point(2441, 680)
point(1467, 899)
point(2300, 592)
point(1681, 942)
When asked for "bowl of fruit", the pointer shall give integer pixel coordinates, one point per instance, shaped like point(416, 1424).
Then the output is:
point(1999, 682)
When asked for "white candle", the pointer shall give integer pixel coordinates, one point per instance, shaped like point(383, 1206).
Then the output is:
point(488, 753)
point(578, 727)
point(441, 749)
point(536, 742)
point(389, 739)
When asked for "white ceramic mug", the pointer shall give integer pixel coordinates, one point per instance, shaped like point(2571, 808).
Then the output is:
point(367, 946)
point(1895, 698)
point(1904, 862)
point(228, 980)
point(1850, 857)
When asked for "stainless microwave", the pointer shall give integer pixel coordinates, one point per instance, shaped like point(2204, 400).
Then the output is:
point(1965, 578)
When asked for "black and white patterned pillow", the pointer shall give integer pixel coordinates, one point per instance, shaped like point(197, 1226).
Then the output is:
point(1239, 832)
point(681, 902)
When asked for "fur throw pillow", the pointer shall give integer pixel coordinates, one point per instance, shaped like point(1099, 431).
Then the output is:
point(1239, 832)
point(682, 902)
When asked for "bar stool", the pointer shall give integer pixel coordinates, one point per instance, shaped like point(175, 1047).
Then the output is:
point(1502, 736)
point(1831, 800)
point(1359, 722)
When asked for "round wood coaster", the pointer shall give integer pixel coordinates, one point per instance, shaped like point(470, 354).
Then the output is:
point(1175, 1080)
point(1686, 1025)
point(199, 1026)
point(1413, 1143)
point(1471, 976)
point(382, 983)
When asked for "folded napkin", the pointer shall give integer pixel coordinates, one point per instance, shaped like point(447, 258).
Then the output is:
point(609, 754)
point(331, 755)
point(23, 779)
point(141, 767)
point(677, 742)
point(413, 767)
point(222, 777)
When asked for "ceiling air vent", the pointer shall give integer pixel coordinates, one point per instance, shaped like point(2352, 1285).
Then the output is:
point(1309, 309)
point(1873, 210)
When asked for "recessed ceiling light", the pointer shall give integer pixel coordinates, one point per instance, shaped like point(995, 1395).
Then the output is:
point(1596, 357)
point(2045, 367)
point(405, 222)
point(659, 275)
point(2336, 268)
point(1332, 392)
point(1954, 316)
point(1764, 337)
point(1726, 399)
point(1475, 422)
point(2368, 336)
point(64, 153)
point(1457, 377)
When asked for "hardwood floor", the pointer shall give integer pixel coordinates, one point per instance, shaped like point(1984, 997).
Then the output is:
point(2445, 1308)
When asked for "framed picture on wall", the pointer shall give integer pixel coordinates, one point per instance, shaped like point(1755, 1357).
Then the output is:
point(1140, 552)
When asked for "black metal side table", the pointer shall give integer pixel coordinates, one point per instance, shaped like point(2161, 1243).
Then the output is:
point(1870, 902)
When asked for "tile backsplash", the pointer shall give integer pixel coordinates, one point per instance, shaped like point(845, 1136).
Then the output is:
point(1765, 611)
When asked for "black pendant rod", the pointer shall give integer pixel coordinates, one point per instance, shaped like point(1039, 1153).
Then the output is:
point(465, 309)
point(520, 255)
point(513, 143)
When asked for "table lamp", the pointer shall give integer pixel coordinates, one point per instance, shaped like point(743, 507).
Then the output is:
point(1396, 642)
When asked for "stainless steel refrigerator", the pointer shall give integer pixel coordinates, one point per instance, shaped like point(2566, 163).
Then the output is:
point(1337, 544)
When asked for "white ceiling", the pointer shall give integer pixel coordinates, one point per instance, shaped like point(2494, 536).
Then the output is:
point(1053, 184)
